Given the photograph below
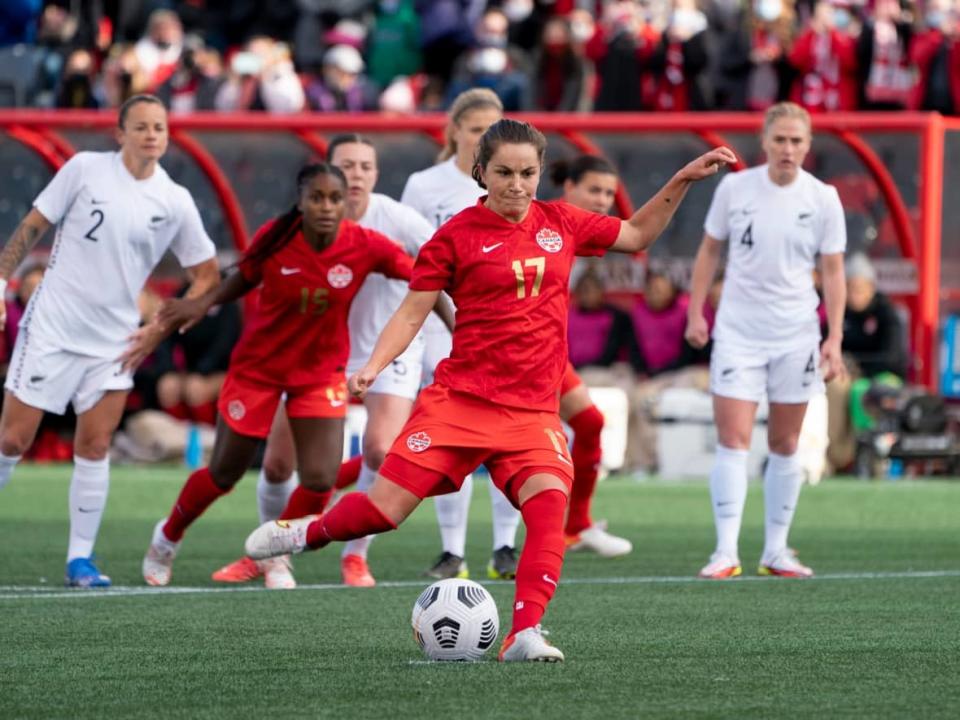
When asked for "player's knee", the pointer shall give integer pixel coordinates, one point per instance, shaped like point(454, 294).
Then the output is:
point(374, 454)
point(15, 443)
point(91, 448)
point(169, 390)
point(318, 479)
point(277, 470)
point(786, 445)
point(196, 390)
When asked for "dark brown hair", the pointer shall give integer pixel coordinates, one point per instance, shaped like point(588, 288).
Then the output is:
point(346, 139)
point(136, 100)
point(510, 132)
point(575, 169)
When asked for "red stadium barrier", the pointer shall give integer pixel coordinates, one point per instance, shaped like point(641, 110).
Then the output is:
point(38, 131)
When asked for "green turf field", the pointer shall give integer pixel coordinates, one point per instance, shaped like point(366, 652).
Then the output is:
point(877, 634)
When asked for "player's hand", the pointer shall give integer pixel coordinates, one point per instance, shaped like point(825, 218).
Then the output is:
point(359, 383)
point(143, 342)
point(181, 313)
point(708, 164)
point(697, 332)
point(831, 360)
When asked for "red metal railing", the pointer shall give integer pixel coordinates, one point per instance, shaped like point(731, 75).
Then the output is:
point(38, 131)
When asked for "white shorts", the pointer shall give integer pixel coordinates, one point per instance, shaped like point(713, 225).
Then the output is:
point(46, 377)
point(747, 374)
point(439, 343)
point(401, 377)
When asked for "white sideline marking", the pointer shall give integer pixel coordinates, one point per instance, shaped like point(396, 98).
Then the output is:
point(43, 592)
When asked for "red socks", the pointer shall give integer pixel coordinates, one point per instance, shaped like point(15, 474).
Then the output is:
point(348, 473)
point(586, 453)
point(541, 560)
point(197, 495)
point(304, 501)
point(354, 516)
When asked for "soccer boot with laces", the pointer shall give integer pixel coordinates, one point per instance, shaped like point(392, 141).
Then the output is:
point(82, 573)
point(355, 571)
point(239, 571)
point(447, 566)
point(783, 564)
point(278, 537)
point(596, 539)
point(721, 567)
point(503, 564)
point(529, 645)
point(158, 562)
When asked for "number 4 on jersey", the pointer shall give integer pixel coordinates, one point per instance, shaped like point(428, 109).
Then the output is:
point(747, 239)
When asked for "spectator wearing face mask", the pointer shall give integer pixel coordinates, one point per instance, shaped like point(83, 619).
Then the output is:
point(679, 62)
point(341, 86)
point(562, 70)
point(493, 63)
point(159, 50)
point(76, 85)
point(883, 57)
point(753, 58)
point(826, 62)
point(621, 48)
point(936, 53)
point(262, 77)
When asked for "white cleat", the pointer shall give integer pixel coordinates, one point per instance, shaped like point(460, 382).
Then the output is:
point(278, 537)
point(278, 573)
point(721, 567)
point(158, 562)
point(783, 564)
point(529, 646)
point(596, 539)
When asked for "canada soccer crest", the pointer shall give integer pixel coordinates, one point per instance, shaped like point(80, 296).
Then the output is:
point(418, 442)
point(236, 409)
point(549, 240)
point(339, 276)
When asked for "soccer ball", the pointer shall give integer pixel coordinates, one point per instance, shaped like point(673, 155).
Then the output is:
point(455, 620)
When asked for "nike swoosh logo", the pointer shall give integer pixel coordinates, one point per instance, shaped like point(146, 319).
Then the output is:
point(550, 580)
point(88, 510)
point(490, 248)
point(728, 502)
point(289, 271)
point(98, 202)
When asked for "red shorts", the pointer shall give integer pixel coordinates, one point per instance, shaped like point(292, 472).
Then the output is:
point(450, 433)
point(248, 407)
point(570, 380)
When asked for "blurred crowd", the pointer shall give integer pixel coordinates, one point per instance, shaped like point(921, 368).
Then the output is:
point(405, 56)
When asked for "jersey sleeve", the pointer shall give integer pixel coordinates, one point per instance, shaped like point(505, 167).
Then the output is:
point(412, 195)
point(57, 197)
point(833, 233)
point(415, 230)
point(435, 264)
point(191, 245)
point(717, 224)
point(389, 257)
point(593, 233)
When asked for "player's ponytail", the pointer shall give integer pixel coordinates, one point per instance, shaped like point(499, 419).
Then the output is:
point(286, 226)
point(575, 169)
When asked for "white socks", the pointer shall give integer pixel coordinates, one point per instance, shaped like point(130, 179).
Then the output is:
point(272, 497)
point(452, 512)
point(88, 498)
point(506, 519)
point(728, 493)
point(781, 490)
point(7, 464)
point(361, 545)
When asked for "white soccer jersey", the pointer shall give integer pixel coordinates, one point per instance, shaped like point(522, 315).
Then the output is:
point(112, 230)
point(440, 192)
point(774, 234)
point(379, 297)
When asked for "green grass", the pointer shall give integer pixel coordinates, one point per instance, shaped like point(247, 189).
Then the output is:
point(644, 646)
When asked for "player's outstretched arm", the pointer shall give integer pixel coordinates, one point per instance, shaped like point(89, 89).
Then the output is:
point(28, 232)
point(704, 270)
point(835, 297)
point(397, 334)
point(645, 225)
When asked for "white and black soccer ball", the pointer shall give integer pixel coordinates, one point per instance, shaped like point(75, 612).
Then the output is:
point(455, 620)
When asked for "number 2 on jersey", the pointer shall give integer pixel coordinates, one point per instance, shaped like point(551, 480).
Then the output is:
point(540, 263)
point(98, 214)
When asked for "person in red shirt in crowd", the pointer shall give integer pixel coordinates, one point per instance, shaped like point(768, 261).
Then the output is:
point(826, 61)
point(589, 183)
point(506, 264)
point(883, 58)
point(679, 62)
point(309, 264)
point(621, 47)
point(936, 53)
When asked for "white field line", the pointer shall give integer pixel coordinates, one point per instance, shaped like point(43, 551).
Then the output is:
point(43, 592)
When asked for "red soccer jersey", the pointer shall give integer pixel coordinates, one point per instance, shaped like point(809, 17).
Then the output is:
point(297, 336)
point(510, 283)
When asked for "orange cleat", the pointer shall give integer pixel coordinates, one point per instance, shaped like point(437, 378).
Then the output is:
point(239, 571)
point(356, 572)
